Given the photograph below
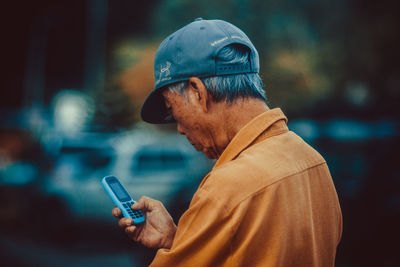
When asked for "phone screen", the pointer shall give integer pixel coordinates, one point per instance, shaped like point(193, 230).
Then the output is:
point(119, 191)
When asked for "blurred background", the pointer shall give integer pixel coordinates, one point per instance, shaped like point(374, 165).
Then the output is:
point(75, 74)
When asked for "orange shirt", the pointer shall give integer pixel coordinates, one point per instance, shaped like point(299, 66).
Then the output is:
point(268, 201)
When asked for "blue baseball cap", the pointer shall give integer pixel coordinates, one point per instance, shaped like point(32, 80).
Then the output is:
point(191, 52)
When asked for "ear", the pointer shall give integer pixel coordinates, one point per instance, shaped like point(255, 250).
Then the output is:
point(199, 93)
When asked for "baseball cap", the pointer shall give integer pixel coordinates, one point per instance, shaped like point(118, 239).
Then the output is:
point(191, 52)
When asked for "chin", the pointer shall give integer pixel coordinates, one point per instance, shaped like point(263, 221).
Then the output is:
point(210, 154)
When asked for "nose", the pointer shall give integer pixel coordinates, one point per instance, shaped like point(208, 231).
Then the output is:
point(180, 129)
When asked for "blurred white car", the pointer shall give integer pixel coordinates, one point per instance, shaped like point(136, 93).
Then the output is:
point(160, 165)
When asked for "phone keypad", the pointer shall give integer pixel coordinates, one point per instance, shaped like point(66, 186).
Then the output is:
point(132, 213)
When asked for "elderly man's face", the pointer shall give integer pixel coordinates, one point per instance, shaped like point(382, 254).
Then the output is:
point(191, 121)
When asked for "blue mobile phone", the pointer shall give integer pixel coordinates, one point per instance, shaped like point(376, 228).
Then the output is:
point(122, 199)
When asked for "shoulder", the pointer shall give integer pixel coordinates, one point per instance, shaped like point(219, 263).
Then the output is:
point(233, 182)
point(258, 167)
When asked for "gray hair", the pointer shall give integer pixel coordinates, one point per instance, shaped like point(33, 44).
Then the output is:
point(229, 87)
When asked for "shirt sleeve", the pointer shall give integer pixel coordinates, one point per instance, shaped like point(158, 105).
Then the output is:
point(202, 237)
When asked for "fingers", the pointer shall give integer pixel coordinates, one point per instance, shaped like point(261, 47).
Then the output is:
point(125, 222)
point(133, 232)
point(116, 212)
point(130, 231)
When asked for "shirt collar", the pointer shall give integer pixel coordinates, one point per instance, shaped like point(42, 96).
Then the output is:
point(267, 124)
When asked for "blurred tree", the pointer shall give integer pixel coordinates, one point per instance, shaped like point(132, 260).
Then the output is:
point(131, 70)
point(287, 42)
point(293, 81)
point(138, 80)
point(310, 50)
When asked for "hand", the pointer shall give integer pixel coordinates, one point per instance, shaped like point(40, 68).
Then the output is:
point(157, 231)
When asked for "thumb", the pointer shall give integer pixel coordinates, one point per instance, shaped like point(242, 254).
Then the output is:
point(144, 203)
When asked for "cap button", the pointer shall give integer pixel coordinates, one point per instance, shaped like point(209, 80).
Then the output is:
point(198, 19)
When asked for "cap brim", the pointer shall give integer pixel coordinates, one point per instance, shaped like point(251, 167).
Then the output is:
point(154, 110)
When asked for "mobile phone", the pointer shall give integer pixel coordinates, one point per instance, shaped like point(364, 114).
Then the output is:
point(122, 199)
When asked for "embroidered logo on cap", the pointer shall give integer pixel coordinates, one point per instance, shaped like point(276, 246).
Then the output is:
point(165, 71)
point(219, 41)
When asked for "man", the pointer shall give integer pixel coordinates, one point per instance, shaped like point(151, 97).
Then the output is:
point(269, 200)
